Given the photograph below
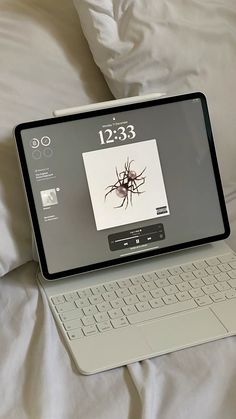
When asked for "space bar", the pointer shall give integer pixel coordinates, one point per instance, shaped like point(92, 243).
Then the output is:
point(162, 311)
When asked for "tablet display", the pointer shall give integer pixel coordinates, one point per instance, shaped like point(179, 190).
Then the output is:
point(116, 185)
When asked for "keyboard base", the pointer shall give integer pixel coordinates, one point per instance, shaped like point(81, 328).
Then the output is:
point(148, 340)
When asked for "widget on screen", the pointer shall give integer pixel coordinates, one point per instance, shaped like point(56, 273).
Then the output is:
point(136, 237)
point(49, 197)
point(44, 150)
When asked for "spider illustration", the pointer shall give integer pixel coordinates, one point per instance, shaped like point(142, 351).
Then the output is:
point(128, 183)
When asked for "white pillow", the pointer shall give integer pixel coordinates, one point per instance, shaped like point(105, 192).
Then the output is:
point(45, 64)
point(144, 46)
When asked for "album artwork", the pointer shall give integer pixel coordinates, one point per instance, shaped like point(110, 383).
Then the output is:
point(126, 184)
point(49, 197)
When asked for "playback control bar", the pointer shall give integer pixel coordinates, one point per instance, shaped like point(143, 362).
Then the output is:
point(136, 237)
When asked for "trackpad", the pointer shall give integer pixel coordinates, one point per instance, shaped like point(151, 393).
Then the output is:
point(183, 330)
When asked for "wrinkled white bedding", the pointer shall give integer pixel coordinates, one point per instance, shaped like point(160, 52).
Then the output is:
point(46, 64)
point(170, 46)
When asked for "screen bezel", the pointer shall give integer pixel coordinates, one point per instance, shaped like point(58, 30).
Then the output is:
point(138, 256)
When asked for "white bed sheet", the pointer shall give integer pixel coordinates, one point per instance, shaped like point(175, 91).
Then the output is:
point(38, 379)
point(145, 46)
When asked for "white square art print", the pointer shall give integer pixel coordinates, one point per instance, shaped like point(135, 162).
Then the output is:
point(126, 184)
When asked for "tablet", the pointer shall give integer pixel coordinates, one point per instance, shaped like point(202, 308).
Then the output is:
point(119, 184)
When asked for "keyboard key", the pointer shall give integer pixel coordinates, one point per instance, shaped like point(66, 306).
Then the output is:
point(104, 326)
point(187, 276)
point(162, 311)
point(209, 280)
point(59, 299)
point(227, 257)
point(148, 286)
point(223, 286)
point(71, 296)
point(105, 306)
point(73, 324)
point(212, 270)
point(144, 296)
point(137, 280)
point(175, 279)
point(209, 289)
point(183, 296)
point(75, 334)
point(233, 264)
point(71, 315)
point(200, 264)
point(230, 294)
point(188, 267)
point(130, 309)
point(197, 283)
point(121, 322)
point(163, 274)
point(224, 267)
point(232, 273)
point(109, 296)
point(62, 308)
point(98, 290)
point(112, 286)
point(176, 270)
point(169, 299)
point(89, 311)
point(196, 292)
point(88, 320)
point(232, 282)
point(212, 261)
point(90, 330)
point(96, 299)
point(82, 302)
point(219, 296)
point(203, 301)
point(222, 276)
point(162, 283)
point(143, 306)
point(157, 293)
point(101, 317)
point(151, 276)
point(124, 283)
point(157, 302)
point(123, 292)
point(118, 303)
point(115, 314)
point(135, 289)
point(200, 273)
point(171, 289)
point(85, 293)
point(131, 299)
point(184, 286)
